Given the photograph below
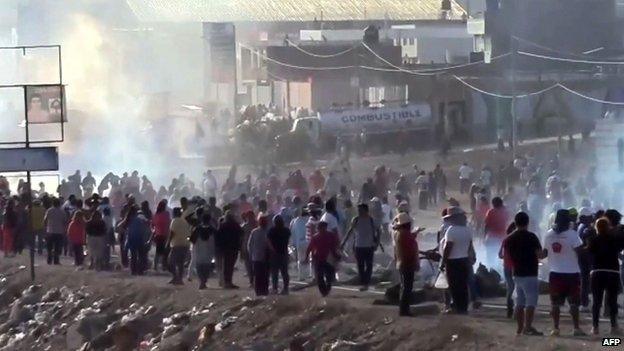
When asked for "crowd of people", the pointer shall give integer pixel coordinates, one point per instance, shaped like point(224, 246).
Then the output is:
point(268, 222)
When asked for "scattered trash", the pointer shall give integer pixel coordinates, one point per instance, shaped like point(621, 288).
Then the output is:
point(225, 323)
point(454, 337)
point(388, 321)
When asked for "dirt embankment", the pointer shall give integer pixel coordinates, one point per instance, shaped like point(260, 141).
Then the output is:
point(71, 310)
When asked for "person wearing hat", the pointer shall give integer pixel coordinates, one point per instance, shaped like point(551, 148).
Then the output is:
point(324, 248)
point(406, 257)
point(561, 246)
point(258, 247)
point(365, 242)
point(457, 258)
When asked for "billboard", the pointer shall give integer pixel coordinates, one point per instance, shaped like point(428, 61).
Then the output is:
point(45, 104)
point(29, 159)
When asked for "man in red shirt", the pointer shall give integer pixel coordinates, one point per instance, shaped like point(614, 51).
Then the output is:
point(324, 247)
point(406, 256)
point(495, 224)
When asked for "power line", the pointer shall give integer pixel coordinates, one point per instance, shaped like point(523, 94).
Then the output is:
point(591, 98)
point(562, 59)
point(322, 55)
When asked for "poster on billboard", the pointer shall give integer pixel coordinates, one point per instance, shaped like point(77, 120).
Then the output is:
point(45, 104)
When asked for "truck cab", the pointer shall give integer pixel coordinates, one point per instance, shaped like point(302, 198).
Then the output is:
point(310, 126)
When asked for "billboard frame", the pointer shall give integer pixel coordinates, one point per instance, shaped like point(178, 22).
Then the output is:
point(26, 86)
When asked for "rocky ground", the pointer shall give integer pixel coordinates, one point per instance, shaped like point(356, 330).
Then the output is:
point(68, 309)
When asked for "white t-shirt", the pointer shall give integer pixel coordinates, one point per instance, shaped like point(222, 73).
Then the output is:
point(461, 237)
point(561, 255)
point(465, 172)
point(332, 222)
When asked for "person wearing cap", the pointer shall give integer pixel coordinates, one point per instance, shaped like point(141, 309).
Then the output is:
point(561, 246)
point(406, 257)
point(324, 249)
point(258, 248)
point(585, 231)
point(365, 242)
point(458, 257)
point(300, 242)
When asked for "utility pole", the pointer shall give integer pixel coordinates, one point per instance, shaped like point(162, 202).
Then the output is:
point(514, 119)
point(514, 51)
point(28, 194)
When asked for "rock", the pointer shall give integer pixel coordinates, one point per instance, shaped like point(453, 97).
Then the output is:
point(52, 295)
point(205, 334)
point(344, 345)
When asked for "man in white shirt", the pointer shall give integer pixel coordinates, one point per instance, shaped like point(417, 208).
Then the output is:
point(561, 245)
point(457, 258)
point(465, 172)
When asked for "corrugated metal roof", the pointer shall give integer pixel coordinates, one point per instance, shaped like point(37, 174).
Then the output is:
point(287, 10)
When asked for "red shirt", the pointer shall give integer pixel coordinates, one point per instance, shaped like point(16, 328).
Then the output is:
point(496, 221)
point(322, 245)
point(406, 251)
point(76, 233)
point(161, 223)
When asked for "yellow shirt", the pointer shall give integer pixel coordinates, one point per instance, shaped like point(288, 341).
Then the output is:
point(181, 233)
point(36, 217)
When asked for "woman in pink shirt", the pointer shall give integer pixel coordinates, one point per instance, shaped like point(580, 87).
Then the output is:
point(161, 222)
point(76, 235)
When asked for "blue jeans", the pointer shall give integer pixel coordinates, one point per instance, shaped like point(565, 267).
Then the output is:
point(509, 283)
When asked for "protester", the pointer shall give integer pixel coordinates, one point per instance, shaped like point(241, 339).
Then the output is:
point(465, 172)
point(585, 231)
point(300, 243)
point(458, 258)
point(407, 260)
point(137, 238)
point(179, 235)
point(279, 237)
point(202, 248)
point(77, 237)
point(495, 224)
point(365, 242)
point(249, 224)
point(55, 222)
point(524, 251)
point(9, 225)
point(96, 240)
point(324, 249)
point(161, 222)
point(561, 245)
point(258, 247)
point(604, 249)
point(227, 244)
